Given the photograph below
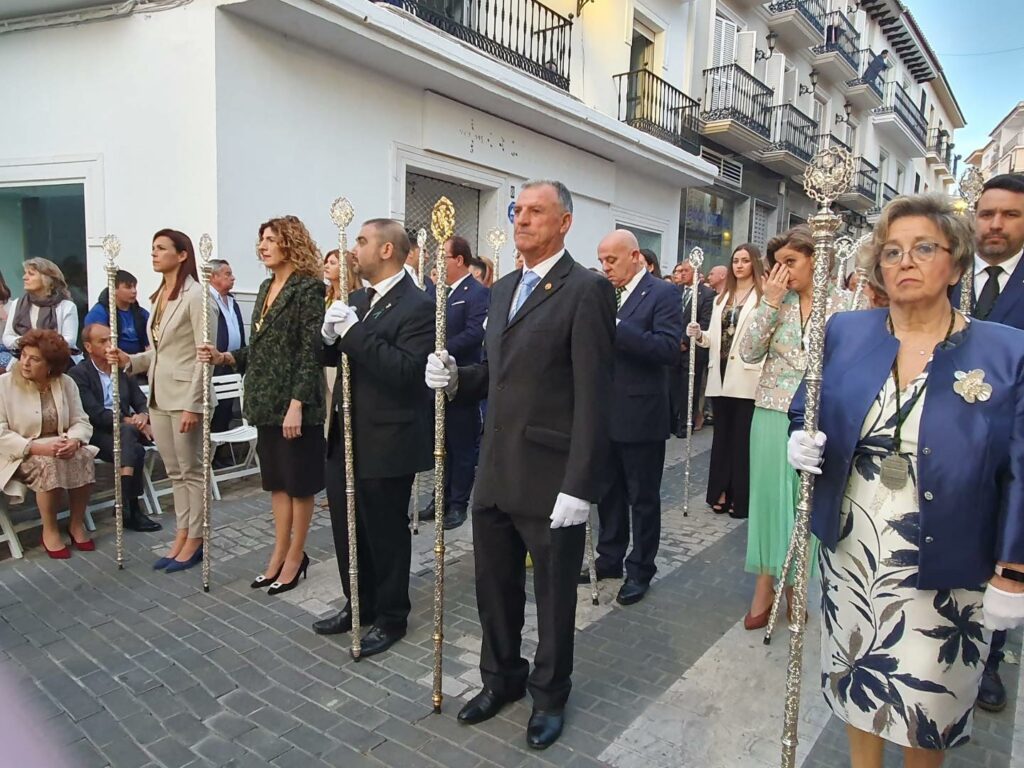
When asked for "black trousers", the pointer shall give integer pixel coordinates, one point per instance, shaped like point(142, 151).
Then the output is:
point(223, 415)
point(383, 542)
point(133, 452)
point(995, 653)
point(500, 544)
point(634, 496)
point(730, 453)
point(462, 433)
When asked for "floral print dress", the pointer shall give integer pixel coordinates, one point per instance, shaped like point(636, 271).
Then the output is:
point(897, 661)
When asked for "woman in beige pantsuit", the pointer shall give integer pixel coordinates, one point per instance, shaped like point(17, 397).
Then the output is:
point(176, 387)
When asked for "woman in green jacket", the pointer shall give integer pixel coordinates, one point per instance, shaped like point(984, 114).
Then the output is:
point(284, 390)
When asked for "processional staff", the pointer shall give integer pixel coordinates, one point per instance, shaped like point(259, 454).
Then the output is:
point(972, 182)
point(862, 273)
point(205, 269)
point(111, 249)
point(421, 241)
point(827, 177)
point(496, 238)
point(341, 215)
point(442, 224)
point(844, 252)
point(696, 259)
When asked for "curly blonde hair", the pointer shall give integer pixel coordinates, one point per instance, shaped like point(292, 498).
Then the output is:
point(297, 244)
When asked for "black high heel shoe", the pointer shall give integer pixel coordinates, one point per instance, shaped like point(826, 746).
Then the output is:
point(262, 581)
point(277, 587)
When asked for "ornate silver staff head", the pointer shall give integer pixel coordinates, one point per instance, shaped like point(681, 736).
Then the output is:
point(111, 248)
point(829, 175)
point(971, 184)
point(696, 258)
point(205, 252)
point(497, 238)
point(421, 238)
point(342, 212)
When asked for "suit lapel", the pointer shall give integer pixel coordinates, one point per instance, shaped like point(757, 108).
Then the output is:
point(386, 302)
point(274, 312)
point(545, 289)
point(1010, 296)
point(636, 297)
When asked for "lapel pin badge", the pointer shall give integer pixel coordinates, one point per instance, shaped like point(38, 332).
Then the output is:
point(972, 386)
point(547, 286)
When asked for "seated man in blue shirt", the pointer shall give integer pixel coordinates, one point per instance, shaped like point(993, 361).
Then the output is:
point(230, 335)
point(95, 385)
point(131, 318)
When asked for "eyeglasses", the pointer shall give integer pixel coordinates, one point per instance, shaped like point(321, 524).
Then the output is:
point(922, 253)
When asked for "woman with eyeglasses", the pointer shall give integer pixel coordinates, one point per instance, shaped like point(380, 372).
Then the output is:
point(919, 503)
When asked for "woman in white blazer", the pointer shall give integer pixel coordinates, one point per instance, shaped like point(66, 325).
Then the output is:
point(176, 387)
point(731, 383)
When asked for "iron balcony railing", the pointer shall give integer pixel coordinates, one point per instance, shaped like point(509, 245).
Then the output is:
point(793, 131)
point(889, 194)
point(865, 181)
point(898, 102)
point(653, 106)
point(939, 143)
point(525, 34)
point(841, 37)
point(812, 10)
point(824, 140)
point(875, 80)
point(732, 93)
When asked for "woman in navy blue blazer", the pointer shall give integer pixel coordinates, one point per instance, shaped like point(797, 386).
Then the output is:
point(920, 500)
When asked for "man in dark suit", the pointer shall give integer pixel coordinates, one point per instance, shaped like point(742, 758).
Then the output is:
point(679, 374)
point(467, 311)
point(999, 298)
point(387, 335)
point(230, 334)
point(94, 380)
point(547, 379)
point(648, 330)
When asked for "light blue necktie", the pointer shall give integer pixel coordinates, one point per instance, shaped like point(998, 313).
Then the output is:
point(526, 286)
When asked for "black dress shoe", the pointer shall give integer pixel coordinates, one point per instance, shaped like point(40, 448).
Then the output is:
point(338, 623)
point(427, 513)
point(631, 591)
point(601, 575)
point(991, 693)
point(544, 728)
point(378, 640)
point(484, 706)
point(141, 522)
point(453, 518)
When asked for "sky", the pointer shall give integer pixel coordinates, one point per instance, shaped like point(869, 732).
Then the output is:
point(987, 86)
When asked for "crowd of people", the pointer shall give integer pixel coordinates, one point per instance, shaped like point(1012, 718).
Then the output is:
point(563, 386)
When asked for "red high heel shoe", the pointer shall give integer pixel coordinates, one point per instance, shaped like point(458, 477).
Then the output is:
point(57, 554)
point(82, 546)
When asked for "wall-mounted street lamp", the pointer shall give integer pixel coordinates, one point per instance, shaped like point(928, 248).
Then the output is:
point(770, 39)
point(847, 108)
point(814, 83)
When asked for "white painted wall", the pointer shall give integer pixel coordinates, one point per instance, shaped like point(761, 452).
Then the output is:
point(136, 95)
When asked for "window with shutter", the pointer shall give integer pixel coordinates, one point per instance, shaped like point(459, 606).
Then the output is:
point(724, 50)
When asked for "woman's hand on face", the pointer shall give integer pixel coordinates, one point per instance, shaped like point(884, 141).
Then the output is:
point(188, 422)
point(291, 427)
point(776, 284)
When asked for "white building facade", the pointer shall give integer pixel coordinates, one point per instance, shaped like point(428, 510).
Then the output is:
point(1004, 152)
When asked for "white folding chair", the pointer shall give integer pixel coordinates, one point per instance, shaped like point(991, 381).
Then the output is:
point(230, 387)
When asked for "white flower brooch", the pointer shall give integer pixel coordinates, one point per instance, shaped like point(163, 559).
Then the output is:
point(971, 386)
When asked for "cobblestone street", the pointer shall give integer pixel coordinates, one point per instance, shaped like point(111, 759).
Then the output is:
point(140, 668)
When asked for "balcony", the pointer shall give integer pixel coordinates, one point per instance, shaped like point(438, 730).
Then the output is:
point(837, 59)
point(651, 105)
point(798, 23)
point(864, 91)
point(794, 140)
point(735, 109)
point(899, 122)
point(888, 194)
point(524, 34)
point(825, 140)
point(863, 191)
point(939, 151)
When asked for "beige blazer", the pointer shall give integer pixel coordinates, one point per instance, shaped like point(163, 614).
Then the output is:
point(175, 376)
point(741, 378)
point(21, 420)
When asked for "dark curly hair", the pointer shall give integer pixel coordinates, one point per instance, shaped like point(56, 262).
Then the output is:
point(51, 345)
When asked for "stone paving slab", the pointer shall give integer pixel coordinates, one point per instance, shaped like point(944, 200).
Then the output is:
point(141, 668)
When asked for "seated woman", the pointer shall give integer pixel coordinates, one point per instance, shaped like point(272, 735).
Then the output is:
point(46, 304)
point(917, 506)
point(44, 438)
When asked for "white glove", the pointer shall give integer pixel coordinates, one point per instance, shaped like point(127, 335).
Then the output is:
point(805, 453)
point(341, 327)
point(693, 330)
point(1002, 610)
point(442, 372)
point(569, 511)
point(336, 312)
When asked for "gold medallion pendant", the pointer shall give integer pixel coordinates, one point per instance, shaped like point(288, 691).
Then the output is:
point(894, 472)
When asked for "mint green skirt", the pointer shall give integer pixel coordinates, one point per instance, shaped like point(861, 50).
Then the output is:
point(774, 489)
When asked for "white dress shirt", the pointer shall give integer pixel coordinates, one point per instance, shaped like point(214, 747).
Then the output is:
point(457, 283)
point(384, 286)
point(981, 276)
point(540, 270)
point(226, 306)
point(628, 288)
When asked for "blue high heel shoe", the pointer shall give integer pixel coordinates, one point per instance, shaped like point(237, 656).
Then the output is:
point(178, 565)
point(162, 563)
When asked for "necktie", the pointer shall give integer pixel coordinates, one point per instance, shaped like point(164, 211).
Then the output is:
point(989, 294)
point(619, 293)
point(371, 294)
point(529, 282)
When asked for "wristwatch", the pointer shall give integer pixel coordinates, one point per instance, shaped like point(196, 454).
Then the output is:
point(1010, 573)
